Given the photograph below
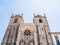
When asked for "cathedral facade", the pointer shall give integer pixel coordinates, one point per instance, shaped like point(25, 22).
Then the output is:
point(20, 33)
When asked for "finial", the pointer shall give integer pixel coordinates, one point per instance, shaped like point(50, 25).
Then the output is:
point(21, 14)
point(12, 14)
point(44, 15)
point(34, 14)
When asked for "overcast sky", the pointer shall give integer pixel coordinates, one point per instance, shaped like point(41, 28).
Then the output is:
point(50, 7)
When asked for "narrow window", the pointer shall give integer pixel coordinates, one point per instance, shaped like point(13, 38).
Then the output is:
point(40, 20)
point(15, 21)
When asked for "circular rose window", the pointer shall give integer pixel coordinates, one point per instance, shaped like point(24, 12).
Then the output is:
point(27, 32)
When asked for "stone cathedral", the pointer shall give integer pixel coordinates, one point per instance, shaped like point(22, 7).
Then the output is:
point(20, 33)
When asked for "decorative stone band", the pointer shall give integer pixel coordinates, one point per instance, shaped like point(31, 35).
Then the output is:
point(55, 33)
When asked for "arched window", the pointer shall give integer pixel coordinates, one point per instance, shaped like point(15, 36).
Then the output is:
point(22, 43)
point(40, 20)
point(31, 43)
point(15, 21)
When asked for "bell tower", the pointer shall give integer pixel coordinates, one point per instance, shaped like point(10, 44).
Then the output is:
point(42, 30)
point(17, 19)
point(10, 36)
point(20, 33)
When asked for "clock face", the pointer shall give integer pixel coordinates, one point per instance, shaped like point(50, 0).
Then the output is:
point(27, 32)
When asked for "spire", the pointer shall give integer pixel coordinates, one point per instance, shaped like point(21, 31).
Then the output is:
point(12, 15)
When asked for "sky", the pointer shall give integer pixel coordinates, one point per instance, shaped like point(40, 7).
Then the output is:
point(50, 7)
